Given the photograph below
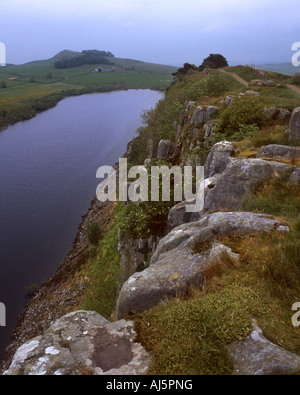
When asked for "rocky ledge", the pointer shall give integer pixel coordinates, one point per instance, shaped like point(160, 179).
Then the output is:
point(82, 343)
point(175, 266)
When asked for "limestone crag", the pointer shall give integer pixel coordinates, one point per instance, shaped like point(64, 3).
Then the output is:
point(257, 356)
point(239, 180)
point(230, 181)
point(175, 266)
point(218, 158)
point(294, 129)
point(279, 151)
point(165, 149)
point(82, 343)
point(202, 114)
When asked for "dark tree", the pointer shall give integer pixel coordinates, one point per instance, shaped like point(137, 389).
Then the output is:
point(184, 70)
point(214, 61)
point(87, 57)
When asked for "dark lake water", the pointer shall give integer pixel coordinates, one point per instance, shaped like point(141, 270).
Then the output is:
point(47, 181)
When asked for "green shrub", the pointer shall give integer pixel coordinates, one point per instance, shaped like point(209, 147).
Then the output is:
point(94, 233)
point(242, 113)
point(145, 219)
point(190, 336)
point(103, 270)
point(93, 251)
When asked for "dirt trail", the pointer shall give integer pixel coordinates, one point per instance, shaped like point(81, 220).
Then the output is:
point(294, 88)
point(242, 81)
point(237, 77)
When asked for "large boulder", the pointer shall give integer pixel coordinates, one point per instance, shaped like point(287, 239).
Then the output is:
point(269, 83)
point(295, 176)
point(175, 266)
point(270, 112)
point(165, 149)
point(178, 214)
point(279, 151)
point(257, 356)
point(82, 343)
point(294, 136)
point(239, 181)
point(228, 100)
point(202, 114)
point(218, 158)
point(273, 113)
point(229, 190)
point(284, 114)
point(252, 93)
point(209, 128)
point(190, 106)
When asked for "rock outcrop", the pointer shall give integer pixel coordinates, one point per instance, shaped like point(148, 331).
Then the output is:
point(295, 176)
point(279, 151)
point(257, 356)
point(239, 180)
point(209, 128)
point(273, 113)
point(134, 255)
point(252, 93)
point(218, 158)
point(230, 181)
point(178, 214)
point(175, 266)
point(259, 82)
point(202, 114)
point(165, 149)
point(82, 343)
point(228, 100)
point(294, 136)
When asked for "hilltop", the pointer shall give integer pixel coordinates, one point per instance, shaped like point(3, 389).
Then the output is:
point(204, 293)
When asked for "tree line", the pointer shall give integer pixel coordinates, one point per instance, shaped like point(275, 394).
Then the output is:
point(86, 57)
point(213, 61)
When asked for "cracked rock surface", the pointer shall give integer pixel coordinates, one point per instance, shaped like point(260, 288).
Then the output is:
point(82, 343)
point(175, 266)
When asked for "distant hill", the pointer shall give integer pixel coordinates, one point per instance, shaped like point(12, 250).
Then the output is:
point(129, 64)
point(283, 68)
point(123, 63)
point(66, 54)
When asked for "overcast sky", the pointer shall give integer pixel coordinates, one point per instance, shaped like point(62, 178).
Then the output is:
point(160, 31)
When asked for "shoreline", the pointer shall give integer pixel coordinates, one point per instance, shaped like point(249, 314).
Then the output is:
point(29, 110)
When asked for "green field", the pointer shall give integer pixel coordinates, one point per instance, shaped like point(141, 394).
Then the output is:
point(32, 87)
